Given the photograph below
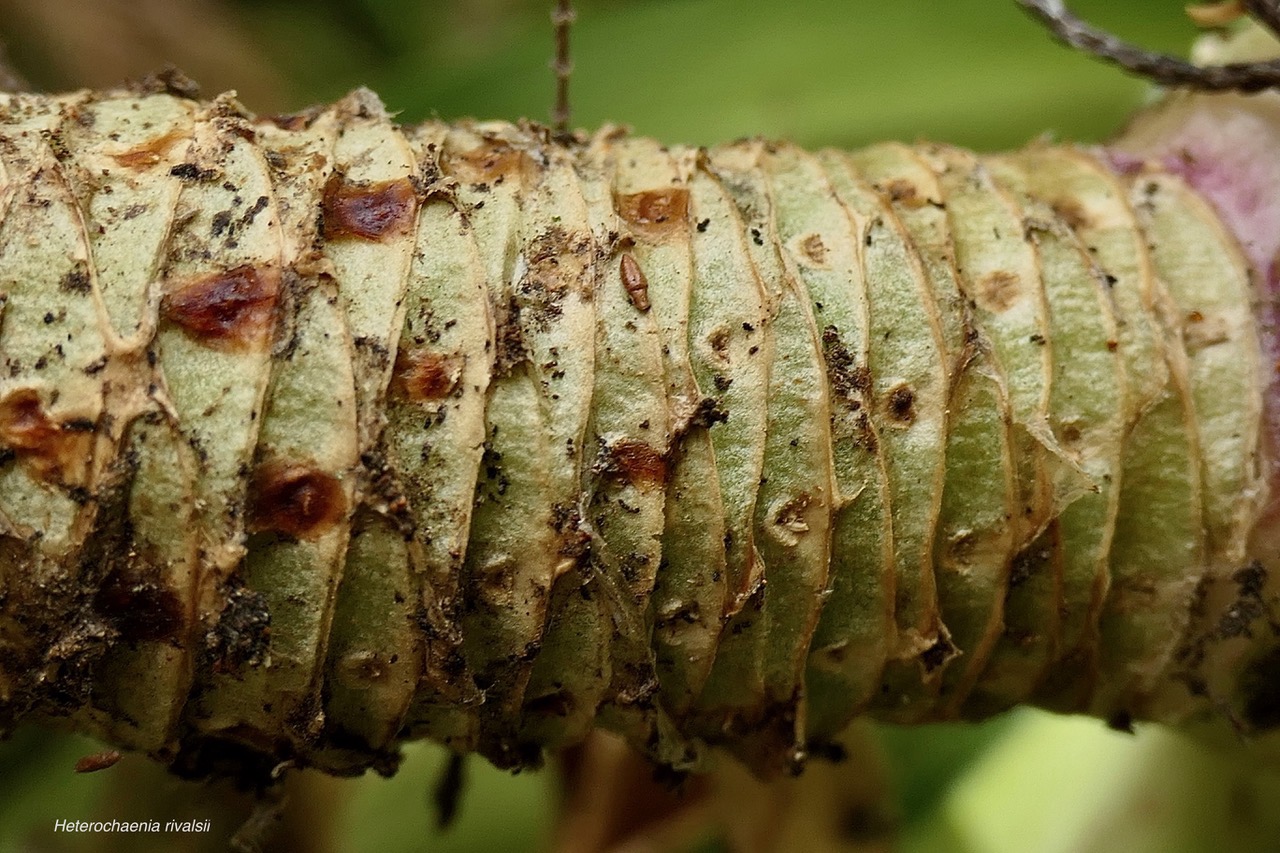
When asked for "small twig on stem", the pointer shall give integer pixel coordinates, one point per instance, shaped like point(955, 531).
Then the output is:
point(562, 17)
point(1163, 69)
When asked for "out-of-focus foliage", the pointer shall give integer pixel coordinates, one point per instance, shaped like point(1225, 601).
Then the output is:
point(974, 72)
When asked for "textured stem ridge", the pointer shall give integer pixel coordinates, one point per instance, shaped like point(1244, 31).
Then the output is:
point(318, 434)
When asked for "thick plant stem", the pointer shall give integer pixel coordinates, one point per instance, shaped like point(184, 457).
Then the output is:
point(318, 433)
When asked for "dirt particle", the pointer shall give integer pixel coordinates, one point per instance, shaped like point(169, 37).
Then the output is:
point(76, 281)
point(167, 81)
point(192, 173)
point(368, 211)
point(901, 404)
point(849, 379)
point(242, 634)
point(707, 414)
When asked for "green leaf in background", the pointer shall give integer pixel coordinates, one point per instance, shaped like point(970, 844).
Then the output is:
point(846, 72)
point(1070, 785)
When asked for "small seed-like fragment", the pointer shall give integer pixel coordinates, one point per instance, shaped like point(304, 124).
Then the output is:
point(97, 761)
point(633, 279)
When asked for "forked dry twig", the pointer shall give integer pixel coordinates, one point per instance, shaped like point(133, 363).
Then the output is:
point(1162, 68)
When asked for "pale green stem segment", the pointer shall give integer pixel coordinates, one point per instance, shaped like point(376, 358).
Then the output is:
point(690, 584)
point(908, 364)
point(308, 432)
point(1086, 416)
point(1091, 202)
point(731, 349)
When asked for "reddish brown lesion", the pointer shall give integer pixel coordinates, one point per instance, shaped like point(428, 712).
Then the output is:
point(148, 153)
point(655, 212)
point(422, 375)
point(999, 291)
point(295, 499)
point(53, 451)
point(814, 250)
point(140, 607)
point(492, 162)
point(636, 462)
point(230, 310)
point(368, 211)
point(904, 192)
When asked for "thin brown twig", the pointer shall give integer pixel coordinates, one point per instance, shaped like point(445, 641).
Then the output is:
point(1266, 12)
point(562, 18)
point(1163, 69)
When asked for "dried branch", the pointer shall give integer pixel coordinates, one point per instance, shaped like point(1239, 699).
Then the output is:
point(1163, 69)
point(562, 17)
point(1265, 12)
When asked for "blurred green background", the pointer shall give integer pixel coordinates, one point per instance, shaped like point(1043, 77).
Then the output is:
point(844, 72)
point(973, 72)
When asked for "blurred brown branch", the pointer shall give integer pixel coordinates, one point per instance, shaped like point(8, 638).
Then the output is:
point(10, 79)
point(100, 43)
